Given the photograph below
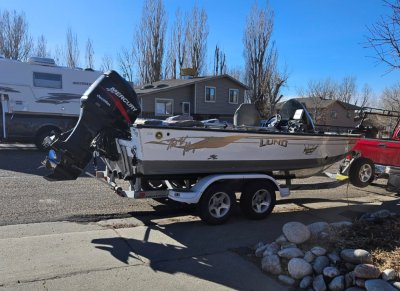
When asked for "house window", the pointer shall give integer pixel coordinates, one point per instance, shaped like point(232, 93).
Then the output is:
point(163, 107)
point(186, 108)
point(333, 114)
point(210, 94)
point(234, 96)
point(47, 80)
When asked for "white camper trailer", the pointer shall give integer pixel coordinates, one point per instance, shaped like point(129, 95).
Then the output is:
point(38, 97)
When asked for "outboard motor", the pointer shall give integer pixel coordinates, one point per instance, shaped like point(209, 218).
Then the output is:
point(108, 108)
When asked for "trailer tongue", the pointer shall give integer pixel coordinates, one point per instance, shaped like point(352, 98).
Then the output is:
point(108, 108)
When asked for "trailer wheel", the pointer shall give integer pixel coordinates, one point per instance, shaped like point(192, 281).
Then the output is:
point(258, 199)
point(361, 172)
point(42, 134)
point(216, 204)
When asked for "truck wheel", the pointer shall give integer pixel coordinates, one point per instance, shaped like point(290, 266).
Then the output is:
point(42, 134)
point(258, 199)
point(361, 172)
point(216, 204)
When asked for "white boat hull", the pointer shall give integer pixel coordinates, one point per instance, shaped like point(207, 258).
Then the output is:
point(162, 151)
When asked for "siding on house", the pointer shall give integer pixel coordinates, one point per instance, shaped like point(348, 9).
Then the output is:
point(194, 92)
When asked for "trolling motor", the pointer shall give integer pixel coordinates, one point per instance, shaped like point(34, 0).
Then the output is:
point(108, 108)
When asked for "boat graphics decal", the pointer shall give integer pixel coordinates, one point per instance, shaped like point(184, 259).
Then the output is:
point(216, 142)
point(310, 148)
point(8, 90)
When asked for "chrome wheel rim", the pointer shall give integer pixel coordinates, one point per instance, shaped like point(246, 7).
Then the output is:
point(261, 201)
point(365, 173)
point(219, 204)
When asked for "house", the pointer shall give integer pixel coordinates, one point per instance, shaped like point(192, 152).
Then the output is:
point(200, 97)
point(328, 113)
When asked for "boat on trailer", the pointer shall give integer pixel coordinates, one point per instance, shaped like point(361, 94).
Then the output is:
point(187, 163)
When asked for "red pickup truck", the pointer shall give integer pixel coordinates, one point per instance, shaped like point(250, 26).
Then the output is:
point(372, 151)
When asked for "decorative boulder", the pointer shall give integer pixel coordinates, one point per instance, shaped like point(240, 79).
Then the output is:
point(271, 264)
point(337, 284)
point(318, 251)
point(299, 268)
point(290, 253)
point(378, 285)
point(366, 271)
point(306, 282)
point(319, 283)
point(309, 257)
point(271, 249)
point(330, 272)
point(286, 280)
point(320, 263)
point(296, 232)
point(317, 227)
point(356, 256)
point(388, 274)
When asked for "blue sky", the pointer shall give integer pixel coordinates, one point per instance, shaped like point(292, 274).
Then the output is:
point(316, 39)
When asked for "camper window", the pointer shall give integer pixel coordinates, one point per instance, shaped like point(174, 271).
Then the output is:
point(47, 80)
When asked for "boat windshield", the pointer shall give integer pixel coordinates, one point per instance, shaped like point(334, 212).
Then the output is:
point(293, 110)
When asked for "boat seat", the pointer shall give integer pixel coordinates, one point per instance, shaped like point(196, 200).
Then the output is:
point(246, 115)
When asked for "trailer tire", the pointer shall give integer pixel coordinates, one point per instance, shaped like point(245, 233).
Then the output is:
point(42, 134)
point(258, 199)
point(361, 172)
point(216, 203)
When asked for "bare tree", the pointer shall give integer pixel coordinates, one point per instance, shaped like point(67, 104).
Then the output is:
point(219, 62)
point(89, 54)
point(41, 47)
point(262, 75)
point(71, 49)
point(237, 73)
point(15, 41)
point(347, 89)
point(171, 61)
point(58, 56)
point(318, 91)
point(107, 63)
point(126, 63)
point(384, 36)
point(176, 54)
point(196, 39)
point(366, 96)
point(391, 97)
point(149, 45)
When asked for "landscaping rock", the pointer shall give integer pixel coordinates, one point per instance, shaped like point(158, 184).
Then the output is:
point(306, 282)
point(349, 279)
point(318, 251)
point(331, 272)
point(309, 257)
point(319, 283)
point(271, 264)
point(299, 268)
point(290, 253)
point(378, 285)
point(281, 239)
point(317, 227)
point(271, 249)
point(388, 274)
point(333, 257)
point(360, 282)
point(296, 232)
point(396, 285)
point(259, 244)
point(286, 280)
point(337, 284)
point(287, 245)
point(366, 271)
point(260, 251)
point(320, 263)
point(356, 256)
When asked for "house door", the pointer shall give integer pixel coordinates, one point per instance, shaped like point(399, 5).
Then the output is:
point(186, 108)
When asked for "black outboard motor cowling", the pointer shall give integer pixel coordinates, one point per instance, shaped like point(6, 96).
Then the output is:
point(108, 107)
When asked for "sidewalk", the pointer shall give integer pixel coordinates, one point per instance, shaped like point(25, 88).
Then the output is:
point(168, 254)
